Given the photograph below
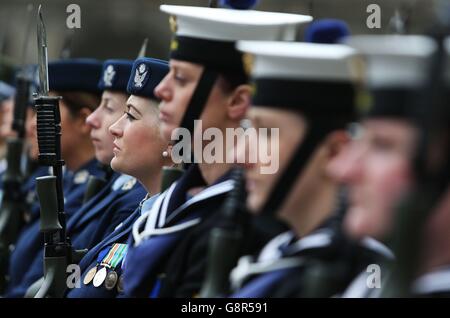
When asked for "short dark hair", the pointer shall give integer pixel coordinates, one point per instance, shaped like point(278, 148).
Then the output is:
point(78, 100)
point(228, 81)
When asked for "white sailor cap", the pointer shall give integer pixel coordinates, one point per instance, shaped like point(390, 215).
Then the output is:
point(232, 25)
point(308, 61)
point(397, 69)
point(395, 60)
point(207, 35)
point(306, 76)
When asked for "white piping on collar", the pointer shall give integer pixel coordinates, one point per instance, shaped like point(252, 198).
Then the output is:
point(246, 268)
point(357, 288)
point(160, 206)
point(434, 282)
point(271, 250)
point(319, 239)
point(163, 214)
point(152, 213)
point(168, 230)
point(378, 247)
point(270, 257)
point(207, 193)
point(211, 191)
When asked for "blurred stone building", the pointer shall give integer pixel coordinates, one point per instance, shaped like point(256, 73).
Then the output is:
point(116, 28)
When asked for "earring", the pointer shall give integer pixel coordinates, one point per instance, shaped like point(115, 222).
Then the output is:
point(246, 123)
point(165, 154)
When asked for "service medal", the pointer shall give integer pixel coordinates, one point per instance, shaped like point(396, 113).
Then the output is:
point(99, 278)
point(90, 275)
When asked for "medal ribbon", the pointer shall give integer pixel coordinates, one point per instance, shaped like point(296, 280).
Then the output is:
point(115, 255)
point(118, 257)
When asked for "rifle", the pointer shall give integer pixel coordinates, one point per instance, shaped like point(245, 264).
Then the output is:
point(226, 240)
point(327, 270)
point(12, 205)
point(57, 247)
point(143, 49)
point(96, 183)
point(169, 176)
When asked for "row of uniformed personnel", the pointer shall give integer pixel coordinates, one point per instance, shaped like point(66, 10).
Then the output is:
point(313, 225)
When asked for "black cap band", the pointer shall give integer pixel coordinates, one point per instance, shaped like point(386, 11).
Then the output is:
point(308, 97)
point(394, 102)
point(216, 55)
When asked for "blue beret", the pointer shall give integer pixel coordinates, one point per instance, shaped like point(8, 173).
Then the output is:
point(115, 75)
point(146, 75)
point(74, 75)
point(238, 4)
point(327, 31)
point(6, 91)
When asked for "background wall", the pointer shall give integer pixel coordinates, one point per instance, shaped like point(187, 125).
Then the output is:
point(116, 28)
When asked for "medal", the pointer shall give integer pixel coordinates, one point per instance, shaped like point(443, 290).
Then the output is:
point(90, 275)
point(120, 284)
point(111, 280)
point(113, 258)
point(99, 278)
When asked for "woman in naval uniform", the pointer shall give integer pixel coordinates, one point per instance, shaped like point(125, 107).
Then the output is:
point(76, 80)
point(312, 131)
point(139, 151)
point(379, 167)
point(119, 194)
point(206, 81)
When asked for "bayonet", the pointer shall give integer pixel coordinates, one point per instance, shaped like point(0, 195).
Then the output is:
point(4, 32)
point(27, 37)
point(23, 82)
point(3, 59)
point(143, 49)
point(42, 54)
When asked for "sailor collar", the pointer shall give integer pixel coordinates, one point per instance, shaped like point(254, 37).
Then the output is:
point(159, 221)
point(436, 281)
